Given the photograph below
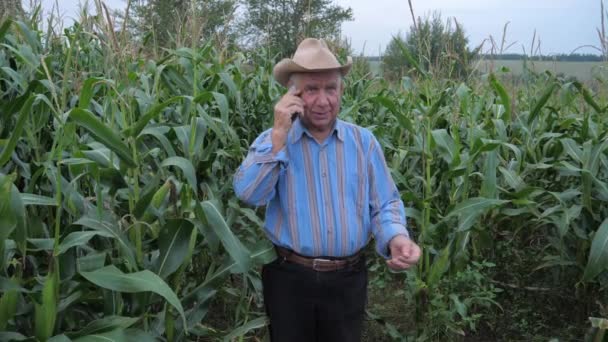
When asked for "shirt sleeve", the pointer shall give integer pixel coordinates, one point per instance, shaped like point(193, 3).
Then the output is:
point(256, 178)
point(387, 211)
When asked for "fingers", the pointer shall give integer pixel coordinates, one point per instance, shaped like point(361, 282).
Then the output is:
point(410, 252)
point(404, 254)
point(406, 250)
point(285, 109)
point(398, 265)
point(293, 91)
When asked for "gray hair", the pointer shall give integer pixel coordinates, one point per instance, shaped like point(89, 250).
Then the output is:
point(294, 75)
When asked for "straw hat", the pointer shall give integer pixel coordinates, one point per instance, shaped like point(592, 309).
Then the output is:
point(312, 55)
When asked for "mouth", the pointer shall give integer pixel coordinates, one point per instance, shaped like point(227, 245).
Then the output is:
point(318, 115)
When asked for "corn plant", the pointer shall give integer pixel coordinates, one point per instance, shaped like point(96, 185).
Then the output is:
point(117, 213)
point(475, 161)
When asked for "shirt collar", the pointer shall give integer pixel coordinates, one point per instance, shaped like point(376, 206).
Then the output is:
point(298, 130)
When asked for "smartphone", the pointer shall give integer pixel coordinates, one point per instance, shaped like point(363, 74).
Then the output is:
point(294, 115)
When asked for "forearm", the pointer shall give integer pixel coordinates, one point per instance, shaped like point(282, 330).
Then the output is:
point(255, 184)
point(255, 180)
point(278, 138)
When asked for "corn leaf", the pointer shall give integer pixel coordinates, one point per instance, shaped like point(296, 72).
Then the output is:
point(86, 93)
point(108, 227)
point(173, 240)
point(210, 215)
point(112, 278)
point(440, 265)
point(151, 114)
point(186, 166)
point(598, 256)
point(445, 144)
point(16, 132)
point(46, 312)
point(541, 102)
point(6, 24)
point(254, 324)
point(504, 97)
point(75, 239)
point(103, 133)
point(8, 305)
point(104, 325)
point(33, 199)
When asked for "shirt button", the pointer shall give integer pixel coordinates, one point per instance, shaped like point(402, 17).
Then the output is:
point(323, 174)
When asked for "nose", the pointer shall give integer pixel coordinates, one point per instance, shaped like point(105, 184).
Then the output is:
point(323, 99)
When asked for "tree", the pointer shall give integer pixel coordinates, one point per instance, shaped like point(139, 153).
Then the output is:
point(10, 8)
point(394, 63)
point(279, 25)
point(432, 46)
point(173, 22)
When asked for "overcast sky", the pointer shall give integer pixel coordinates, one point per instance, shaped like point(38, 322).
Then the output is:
point(561, 25)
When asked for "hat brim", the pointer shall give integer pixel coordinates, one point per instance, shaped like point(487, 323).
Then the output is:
point(283, 70)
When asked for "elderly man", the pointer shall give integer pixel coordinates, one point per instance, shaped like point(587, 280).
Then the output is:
point(327, 189)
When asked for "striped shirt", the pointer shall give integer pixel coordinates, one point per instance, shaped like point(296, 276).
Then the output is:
point(323, 199)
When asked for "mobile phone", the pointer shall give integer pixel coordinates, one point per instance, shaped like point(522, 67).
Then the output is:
point(294, 115)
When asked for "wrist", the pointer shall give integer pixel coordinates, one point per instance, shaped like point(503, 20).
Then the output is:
point(278, 138)
point(396, 240)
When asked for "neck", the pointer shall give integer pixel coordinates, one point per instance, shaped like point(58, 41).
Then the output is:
point(320, 134)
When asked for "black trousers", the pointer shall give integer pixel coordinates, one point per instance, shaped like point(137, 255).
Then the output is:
point(310, 306)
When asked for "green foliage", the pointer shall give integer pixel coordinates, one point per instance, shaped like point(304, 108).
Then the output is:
point(431, 46)
point(460, 302)
point(174, 23)
point(115, 190)
point(477, 162)
point(279, 26)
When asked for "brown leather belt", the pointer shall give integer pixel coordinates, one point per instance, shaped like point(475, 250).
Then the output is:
point(318, 264)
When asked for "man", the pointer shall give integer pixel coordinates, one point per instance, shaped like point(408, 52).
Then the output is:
point(328, 190)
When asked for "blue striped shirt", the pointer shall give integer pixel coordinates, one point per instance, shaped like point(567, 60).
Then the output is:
point(323, 199)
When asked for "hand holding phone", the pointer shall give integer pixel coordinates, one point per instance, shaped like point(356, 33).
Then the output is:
point(296, 113)
point(289, 107)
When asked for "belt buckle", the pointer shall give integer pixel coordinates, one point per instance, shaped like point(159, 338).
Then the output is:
point(317, 262)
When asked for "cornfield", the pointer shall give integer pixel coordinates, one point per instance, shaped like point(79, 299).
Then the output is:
point(119, 222)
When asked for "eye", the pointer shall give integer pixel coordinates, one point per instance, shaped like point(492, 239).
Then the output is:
point(331, 89)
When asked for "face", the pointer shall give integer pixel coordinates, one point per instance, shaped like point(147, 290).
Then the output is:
point(322, 93)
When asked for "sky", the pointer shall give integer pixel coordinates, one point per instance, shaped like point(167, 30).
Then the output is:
point(561, 25)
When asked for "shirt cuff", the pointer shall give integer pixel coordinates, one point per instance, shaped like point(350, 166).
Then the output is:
point(387, 234)
point(264, 155)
